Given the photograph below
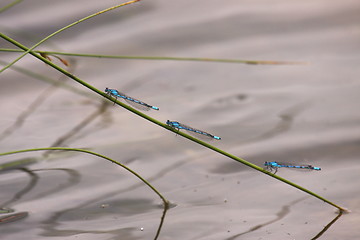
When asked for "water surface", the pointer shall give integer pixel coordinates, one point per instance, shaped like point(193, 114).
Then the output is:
point(295, 113)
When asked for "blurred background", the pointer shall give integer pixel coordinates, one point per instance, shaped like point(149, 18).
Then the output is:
point(298, 113)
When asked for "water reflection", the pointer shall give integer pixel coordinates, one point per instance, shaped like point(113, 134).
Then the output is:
point(97, 208)
point(73, 178)
point(272, 35)
point(340, 213)
point(285, 210)
point(93, 213)
point(81, 125)
point(13, 217)
point(33, 180)
point(85, 210)
point(36, 103)
point(284, 122)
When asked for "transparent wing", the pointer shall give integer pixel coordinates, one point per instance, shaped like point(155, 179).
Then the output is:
point(135, 102)
point(198, 133)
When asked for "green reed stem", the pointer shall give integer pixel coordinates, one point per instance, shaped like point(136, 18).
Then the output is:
point(172, 129)
point(254, 62)
point(165, 201)
point(3, 9)
point(64, 28)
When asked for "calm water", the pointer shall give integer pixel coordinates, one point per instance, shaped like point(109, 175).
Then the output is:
point(295, 113)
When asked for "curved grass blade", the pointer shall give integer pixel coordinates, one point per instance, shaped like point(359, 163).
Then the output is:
point(166, 203)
